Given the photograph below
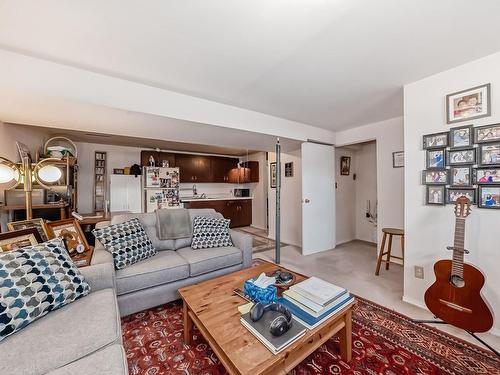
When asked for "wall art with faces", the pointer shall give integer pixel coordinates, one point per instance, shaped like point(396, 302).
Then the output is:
point(463, 162)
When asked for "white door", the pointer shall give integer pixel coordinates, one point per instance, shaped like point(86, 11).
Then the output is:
point(318, 198)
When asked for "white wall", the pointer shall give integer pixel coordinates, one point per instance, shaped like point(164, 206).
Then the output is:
point(259, 191)
point(365, 167)
point(345, 198)
point(430, 229)
point(291, 198)
point(390, 184)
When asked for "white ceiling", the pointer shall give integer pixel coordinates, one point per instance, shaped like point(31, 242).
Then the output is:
point(332, 63)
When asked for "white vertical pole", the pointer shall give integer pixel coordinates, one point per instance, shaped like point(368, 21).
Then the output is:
point(278, 191)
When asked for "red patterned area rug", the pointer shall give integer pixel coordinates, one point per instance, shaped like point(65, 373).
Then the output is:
point(384, 342)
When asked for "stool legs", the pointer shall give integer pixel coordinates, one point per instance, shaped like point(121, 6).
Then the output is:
point(381, 254)
point(389, 249)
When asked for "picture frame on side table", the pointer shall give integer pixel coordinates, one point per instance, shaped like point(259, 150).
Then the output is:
point(460, 176)
point(486, 176)
point(435, 195)
point(468, 104)
point(272, 177)
point(11, 241)
point(38, 224)
point(461, 157)
point(488, 197)
point(345, 165)
point(435, 158)
point(489, 154)
point(72, 234)
point(436, 140)
point(487, 133)
point(398, 159)
point(461, 137)
point(435, 177)
point(452, 194)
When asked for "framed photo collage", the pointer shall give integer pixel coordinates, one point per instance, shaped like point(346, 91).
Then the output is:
point(463, 161)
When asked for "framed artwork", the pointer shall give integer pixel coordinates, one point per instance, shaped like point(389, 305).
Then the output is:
point(468, 104)
point(38, 224)
point(462, 157)
point(489, 154)
point(488, 133)
point(71, 232)
point(486, 176)
point(460, 176)
point(272, 177)
point(435, 195)
point(461, 137)
point(435, 177)
point(289, 169)
point(435, 159)
point(488, 197)
point(398, 159)
point(10, 241)
point(452, 194)
point(345, 165)
point(436, 140)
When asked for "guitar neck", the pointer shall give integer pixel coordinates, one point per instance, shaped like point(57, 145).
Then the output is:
point(458, 247)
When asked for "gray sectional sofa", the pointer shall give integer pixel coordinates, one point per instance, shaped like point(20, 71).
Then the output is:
point(85, 336)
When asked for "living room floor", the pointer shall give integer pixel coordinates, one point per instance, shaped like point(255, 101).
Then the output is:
point(352, 265)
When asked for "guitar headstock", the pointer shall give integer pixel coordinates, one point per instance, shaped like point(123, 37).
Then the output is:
point(462, 207)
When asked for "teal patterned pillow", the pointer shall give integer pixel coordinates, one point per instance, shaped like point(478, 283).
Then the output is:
point(209, 232)
point(35, 280)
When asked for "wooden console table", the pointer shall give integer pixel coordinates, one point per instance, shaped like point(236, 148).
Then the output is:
point(63, 208)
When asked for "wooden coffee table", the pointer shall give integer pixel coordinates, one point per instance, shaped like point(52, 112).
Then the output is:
point(213, 308)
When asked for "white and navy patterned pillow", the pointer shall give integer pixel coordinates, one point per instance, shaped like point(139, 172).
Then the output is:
point(35, 280)
point(210, 232)
point(128, 242)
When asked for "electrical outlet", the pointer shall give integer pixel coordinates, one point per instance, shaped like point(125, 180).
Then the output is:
point(419, 272)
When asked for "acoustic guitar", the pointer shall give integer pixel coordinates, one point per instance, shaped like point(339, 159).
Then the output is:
point(455, 296)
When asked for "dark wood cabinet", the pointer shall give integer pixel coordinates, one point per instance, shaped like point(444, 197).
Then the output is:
point(239, 211)
point(158, 157)
point(194, 168)
point(248, 172)
point(221, 166)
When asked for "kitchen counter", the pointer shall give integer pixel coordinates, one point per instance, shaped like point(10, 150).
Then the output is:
point(188, 199)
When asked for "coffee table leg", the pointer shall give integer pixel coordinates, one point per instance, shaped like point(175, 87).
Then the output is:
point(346, 337)
point(188, 325)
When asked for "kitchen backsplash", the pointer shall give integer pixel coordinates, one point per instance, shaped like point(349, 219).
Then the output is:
point(215, 190)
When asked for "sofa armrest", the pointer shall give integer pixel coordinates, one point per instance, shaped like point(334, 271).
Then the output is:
point(243, 242)
point(99, 276)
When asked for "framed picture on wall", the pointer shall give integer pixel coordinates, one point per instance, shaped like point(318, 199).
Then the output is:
point(398, 159)
point(461, 137)
point(452, 194)
point(435, 195)
point(468, 104)
point(436, 140)
point(488, 197)
point(488, 133)
point(272, 177)
point(289, 169)
point(435, 177)
point(345, 165)
point(461, 176)
point(435, 159)
point(486, 176)
point(489, 154)
point(462, 157)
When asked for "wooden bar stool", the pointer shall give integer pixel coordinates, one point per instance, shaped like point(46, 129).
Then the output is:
point(390, 232)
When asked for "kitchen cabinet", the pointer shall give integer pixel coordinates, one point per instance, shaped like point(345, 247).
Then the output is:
point(159, 157)
point(239, 211)
point(221, 166)
point(249, 172)
point(193, 168)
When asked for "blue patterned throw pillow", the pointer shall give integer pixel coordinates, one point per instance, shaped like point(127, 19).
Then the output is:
point(128, 242)
point(35, 280)
point(210, 232)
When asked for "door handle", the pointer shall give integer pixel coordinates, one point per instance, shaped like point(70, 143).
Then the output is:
point(306, 200)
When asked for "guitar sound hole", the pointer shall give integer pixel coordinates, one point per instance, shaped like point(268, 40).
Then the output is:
point(457, 281)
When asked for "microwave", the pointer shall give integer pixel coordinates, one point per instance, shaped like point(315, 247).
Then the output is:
point(241, 192)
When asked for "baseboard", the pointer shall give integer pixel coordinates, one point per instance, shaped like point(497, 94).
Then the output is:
point(257, 227)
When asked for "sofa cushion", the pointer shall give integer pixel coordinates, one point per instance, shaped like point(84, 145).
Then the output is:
point(208, 260)
point(110, 361)
point(209, 232)
point(128, 242)
point(34, 281)
point(63, 336)
point(164, 267)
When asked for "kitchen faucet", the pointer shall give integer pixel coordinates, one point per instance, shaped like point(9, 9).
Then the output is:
point(195, 192)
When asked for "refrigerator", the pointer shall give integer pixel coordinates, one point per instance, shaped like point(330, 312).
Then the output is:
point(161, 188)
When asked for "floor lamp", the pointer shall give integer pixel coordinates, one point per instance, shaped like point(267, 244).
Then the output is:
point(26, 173)
point(278, 208)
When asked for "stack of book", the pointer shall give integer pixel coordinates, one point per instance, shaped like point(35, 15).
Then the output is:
point(313, 301)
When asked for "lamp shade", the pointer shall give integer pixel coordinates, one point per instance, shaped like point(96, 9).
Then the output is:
point(49, 173)
point(7, 174)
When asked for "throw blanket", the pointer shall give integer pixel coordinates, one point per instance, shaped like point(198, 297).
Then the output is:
point(173, 223)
